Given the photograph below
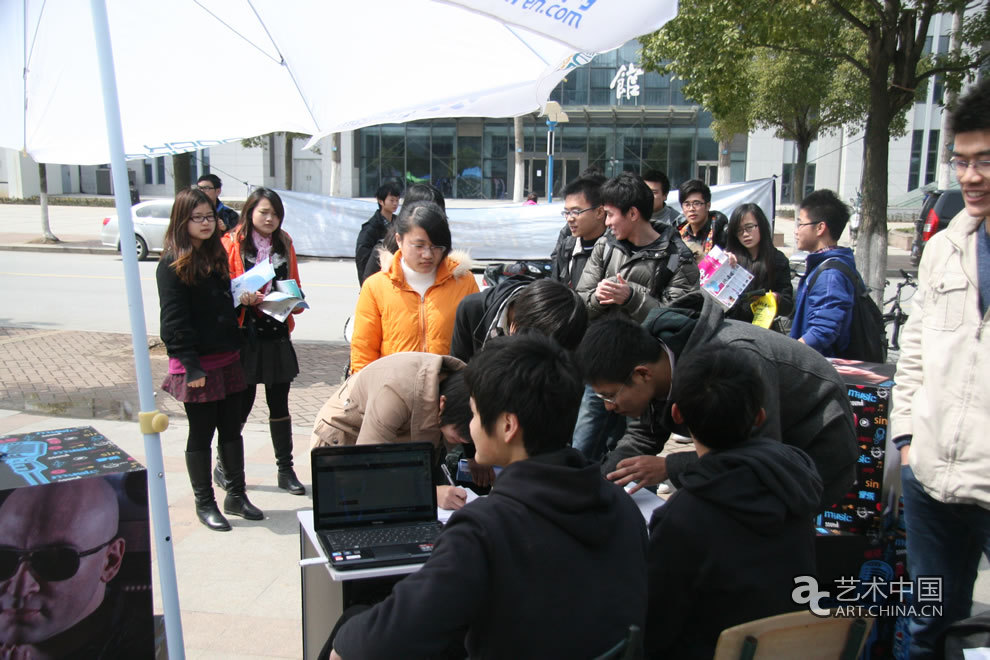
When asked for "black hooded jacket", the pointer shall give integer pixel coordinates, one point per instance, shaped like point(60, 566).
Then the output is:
point(479, 316)
point(726, 547)
point(550, 565)
point(806, 400)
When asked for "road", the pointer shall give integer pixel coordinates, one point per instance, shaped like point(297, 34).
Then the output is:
point(86, 292)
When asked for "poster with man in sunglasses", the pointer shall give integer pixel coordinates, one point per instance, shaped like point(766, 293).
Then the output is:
point(61, 549)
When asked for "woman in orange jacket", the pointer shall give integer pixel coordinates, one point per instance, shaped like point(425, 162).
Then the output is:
point(267, 355)
point(411, 303)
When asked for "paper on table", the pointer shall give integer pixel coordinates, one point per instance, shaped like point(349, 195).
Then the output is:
point(443, 515)
point(646, 500)
point(252, 280)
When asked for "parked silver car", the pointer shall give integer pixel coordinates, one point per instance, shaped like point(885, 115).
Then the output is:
point(150, 222)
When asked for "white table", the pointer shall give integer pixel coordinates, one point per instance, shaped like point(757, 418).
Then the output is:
point(323, 600)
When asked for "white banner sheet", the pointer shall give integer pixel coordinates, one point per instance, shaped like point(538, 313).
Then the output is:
point(328, 226)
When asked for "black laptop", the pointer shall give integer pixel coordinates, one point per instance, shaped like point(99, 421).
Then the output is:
point(375, 505)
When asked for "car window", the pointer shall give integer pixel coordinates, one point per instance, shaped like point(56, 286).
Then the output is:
point(161, 210)
point(143, 212)
point(949, 204)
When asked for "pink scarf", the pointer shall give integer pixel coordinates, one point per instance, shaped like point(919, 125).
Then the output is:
point(263, 244)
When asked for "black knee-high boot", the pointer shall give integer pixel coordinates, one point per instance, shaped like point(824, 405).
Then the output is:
point(236, 503)
point(281, 430)
point(198, 467)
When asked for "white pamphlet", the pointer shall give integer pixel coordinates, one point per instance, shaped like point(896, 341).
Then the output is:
point(720, 279)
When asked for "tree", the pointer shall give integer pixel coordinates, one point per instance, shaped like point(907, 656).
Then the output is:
point(881, 45)
point(46, 228)
point(746, 87)
point(261, 140)
point(182, 171)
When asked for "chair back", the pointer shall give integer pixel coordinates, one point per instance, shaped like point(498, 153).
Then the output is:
point(794, 636)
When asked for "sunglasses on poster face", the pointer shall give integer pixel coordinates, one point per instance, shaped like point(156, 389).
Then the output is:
point(53, 564)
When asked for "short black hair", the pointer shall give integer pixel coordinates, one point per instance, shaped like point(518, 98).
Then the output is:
point(825, 206)
point(424, 192)
point(973, 111)
point(430, 218)
point(552, 309)
point(719, 392)
point(693, 186)
point(532, 377)
point(613, 347)
point(591, 170)
point(457, 404)
point(213, 179)
point(386, 189)
point(589, 186)
point(626, 191)
point(659, 177)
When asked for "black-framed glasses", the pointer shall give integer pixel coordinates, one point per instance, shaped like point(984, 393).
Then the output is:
point(747, 229)
point(573, 213)
point(693, 204)
point(206, 187)
point(960, 165)
point(54, 564)
point(813, 222)
point(202, 219)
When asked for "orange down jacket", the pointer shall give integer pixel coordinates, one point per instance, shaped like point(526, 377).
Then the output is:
point(392, 318)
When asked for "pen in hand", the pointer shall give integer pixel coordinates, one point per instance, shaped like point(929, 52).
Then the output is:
point(446, 473)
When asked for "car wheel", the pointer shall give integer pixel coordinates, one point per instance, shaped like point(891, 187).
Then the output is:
point(141, 247)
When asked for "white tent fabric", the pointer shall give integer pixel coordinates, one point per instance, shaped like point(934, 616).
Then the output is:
point(195, 73)
point(328, 226)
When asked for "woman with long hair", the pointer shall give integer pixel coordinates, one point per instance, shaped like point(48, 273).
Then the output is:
point(267, 356)
point(199, 328)
point(410, 304)
point(750, 241)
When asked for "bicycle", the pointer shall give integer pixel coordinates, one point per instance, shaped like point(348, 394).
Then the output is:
point(895, 316)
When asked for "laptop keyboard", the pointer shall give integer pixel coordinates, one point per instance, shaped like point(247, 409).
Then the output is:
point(378, 536)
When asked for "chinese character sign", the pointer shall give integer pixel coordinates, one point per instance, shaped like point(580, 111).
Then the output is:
point(626, 81)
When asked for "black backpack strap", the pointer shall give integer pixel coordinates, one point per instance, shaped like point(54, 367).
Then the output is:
point(835, 263)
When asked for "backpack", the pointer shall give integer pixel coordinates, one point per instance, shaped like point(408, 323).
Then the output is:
point(867, 337)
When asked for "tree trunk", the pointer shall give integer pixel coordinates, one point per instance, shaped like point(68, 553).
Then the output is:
point(871, 245)
point(46, 229)
point(335, 165)
point(724, 162)
point(800, 174)
point(944, 177)
point(288, 161)
point(519, 178)
point(182, 171)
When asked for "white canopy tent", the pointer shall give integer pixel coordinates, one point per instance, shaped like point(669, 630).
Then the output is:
point(117, 79)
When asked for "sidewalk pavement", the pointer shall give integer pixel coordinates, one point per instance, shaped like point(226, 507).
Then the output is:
point(238, 591)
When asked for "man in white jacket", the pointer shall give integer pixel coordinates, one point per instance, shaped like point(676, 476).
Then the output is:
point(941, 404)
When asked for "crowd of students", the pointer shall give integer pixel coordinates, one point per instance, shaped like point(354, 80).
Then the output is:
point(557, 562)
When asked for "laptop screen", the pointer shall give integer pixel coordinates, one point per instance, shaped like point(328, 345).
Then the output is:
point(362, 485)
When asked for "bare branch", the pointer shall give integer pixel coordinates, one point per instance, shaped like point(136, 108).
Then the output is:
point(851, 18)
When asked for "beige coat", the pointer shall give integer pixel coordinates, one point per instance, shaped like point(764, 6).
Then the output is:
point(394, 399)
point(942, 395)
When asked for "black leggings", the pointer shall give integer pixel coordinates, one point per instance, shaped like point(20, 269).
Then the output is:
point(223, 416)
point(277, 396)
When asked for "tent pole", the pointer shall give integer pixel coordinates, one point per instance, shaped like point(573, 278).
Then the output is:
point(139, 335)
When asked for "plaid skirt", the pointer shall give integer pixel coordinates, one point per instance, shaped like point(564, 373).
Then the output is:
point(220, 383)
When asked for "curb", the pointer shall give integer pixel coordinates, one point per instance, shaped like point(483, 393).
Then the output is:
point(55, 247)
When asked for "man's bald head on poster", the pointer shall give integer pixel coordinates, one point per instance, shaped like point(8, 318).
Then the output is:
point(59, 548)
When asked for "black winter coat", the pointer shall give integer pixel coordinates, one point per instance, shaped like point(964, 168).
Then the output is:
point(566, 265)
point(805, 399)
point(371, 233)
point(479, 315)
point(196, 320)
point(726, 547)
point(550, 565)
point(781, 283)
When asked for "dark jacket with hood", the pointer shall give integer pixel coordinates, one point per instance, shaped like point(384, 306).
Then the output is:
point(481, 316)
point(657, 273)
point(726, 547)
point(550, 565)
point(806, 400)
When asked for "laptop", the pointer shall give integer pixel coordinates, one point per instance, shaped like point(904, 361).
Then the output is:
point(375, 505)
